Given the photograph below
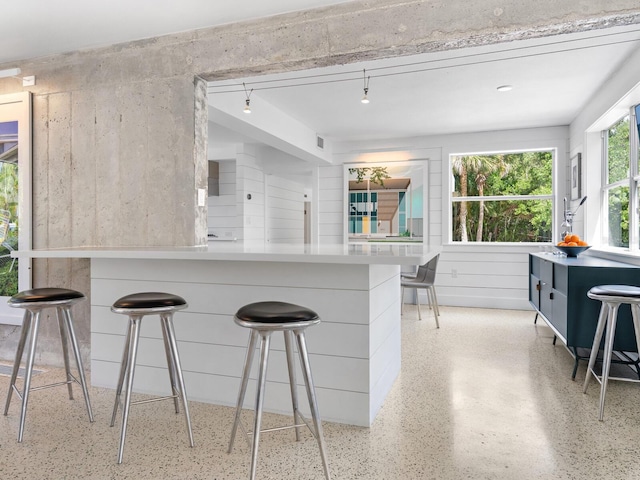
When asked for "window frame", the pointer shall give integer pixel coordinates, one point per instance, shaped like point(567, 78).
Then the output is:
point(632, 181)
point(551, 196)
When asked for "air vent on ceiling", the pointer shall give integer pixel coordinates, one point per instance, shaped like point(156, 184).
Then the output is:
point(320, 141)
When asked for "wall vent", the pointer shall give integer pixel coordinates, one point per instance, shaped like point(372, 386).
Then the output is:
point(320, 142)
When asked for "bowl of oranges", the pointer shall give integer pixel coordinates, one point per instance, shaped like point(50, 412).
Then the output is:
point(572, 245)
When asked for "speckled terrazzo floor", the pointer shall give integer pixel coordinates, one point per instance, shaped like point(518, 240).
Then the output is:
point(487, 396)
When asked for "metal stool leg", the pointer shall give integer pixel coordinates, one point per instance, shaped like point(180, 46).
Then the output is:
point(65, 349)
point(401, 300)
point(253, 338)
point(288, 343)
point(602, 321)
point(123, 369)
point(608, 350)
point(26, 326)
point(313, 404)
point(166, 319)
point(131, 366)
point(28, 371)
point(635, 315)
point(262, 382)
point(170, 365)
point(66, 315)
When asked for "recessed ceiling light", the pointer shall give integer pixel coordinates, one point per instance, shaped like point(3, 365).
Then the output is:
point(504, 88)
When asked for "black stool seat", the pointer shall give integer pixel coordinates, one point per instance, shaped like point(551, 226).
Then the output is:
point(275, 312)
point(45, 295)
point(616, 291)
point(149, 300)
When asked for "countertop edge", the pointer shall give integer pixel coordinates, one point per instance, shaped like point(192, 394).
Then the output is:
point(196, 253)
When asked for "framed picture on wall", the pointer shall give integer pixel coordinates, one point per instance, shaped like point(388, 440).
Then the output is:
point(575, 177)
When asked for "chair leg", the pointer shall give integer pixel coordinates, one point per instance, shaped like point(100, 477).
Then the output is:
point(418, 303)
point(602, 321)
point(167, 319)
point(24, 333)
point(66, 312)
point(253, 339)
point(28, 371)
point(288, 342)
point(262, 382)
point(436, 311)
point(313, 404)
point(435, 300)
point(65, 349)
point(131, 366)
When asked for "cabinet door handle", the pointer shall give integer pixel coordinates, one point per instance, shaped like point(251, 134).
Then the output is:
point(551, 296)
point(538, 286)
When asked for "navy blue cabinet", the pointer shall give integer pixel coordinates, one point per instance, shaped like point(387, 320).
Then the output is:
point(558, 287)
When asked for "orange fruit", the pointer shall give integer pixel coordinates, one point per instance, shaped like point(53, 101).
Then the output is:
point(572, 244)
point(567, 238)
point(574, 238)
point(582, 243)
point(562, 244)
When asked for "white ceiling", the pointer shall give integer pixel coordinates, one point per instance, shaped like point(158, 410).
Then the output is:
point(552, 79)
point(35, 28)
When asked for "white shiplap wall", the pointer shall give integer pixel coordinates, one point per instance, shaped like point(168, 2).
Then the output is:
point(331, 205)
point(250, 194)
point(285, 210)
point(488, 276)
point(274, 212)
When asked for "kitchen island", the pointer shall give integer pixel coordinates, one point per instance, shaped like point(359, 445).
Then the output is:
point(354, 352)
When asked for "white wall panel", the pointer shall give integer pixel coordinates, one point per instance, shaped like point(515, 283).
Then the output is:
point(354, 349)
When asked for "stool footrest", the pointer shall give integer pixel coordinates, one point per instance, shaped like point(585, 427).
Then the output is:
point(156, 399)
point(305, 423)
point(42, 387)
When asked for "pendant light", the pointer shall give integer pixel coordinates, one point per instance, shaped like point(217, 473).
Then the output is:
point(365, 98)
point(247, 106)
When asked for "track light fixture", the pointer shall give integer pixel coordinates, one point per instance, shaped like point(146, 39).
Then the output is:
point(247, 106)
point(365, 79)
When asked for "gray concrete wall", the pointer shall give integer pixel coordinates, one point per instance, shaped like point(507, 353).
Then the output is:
point(120, 132)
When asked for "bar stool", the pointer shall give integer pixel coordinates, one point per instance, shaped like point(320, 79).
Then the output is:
point(136, 306)
point(33, 302)
point(611, 296)
point(264, 318)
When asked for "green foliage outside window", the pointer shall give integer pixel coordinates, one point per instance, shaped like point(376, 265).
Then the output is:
point(509, 220)
point(9, 202)
point(618, 169)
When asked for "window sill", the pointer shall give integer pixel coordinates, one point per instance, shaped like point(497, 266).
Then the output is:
point(615, 254)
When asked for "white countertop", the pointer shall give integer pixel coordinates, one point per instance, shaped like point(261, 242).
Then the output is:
point(365, 253)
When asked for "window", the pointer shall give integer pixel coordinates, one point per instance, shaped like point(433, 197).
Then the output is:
point(15, 195)
point(621, 182)
point(616, 184)
point(502, 197)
